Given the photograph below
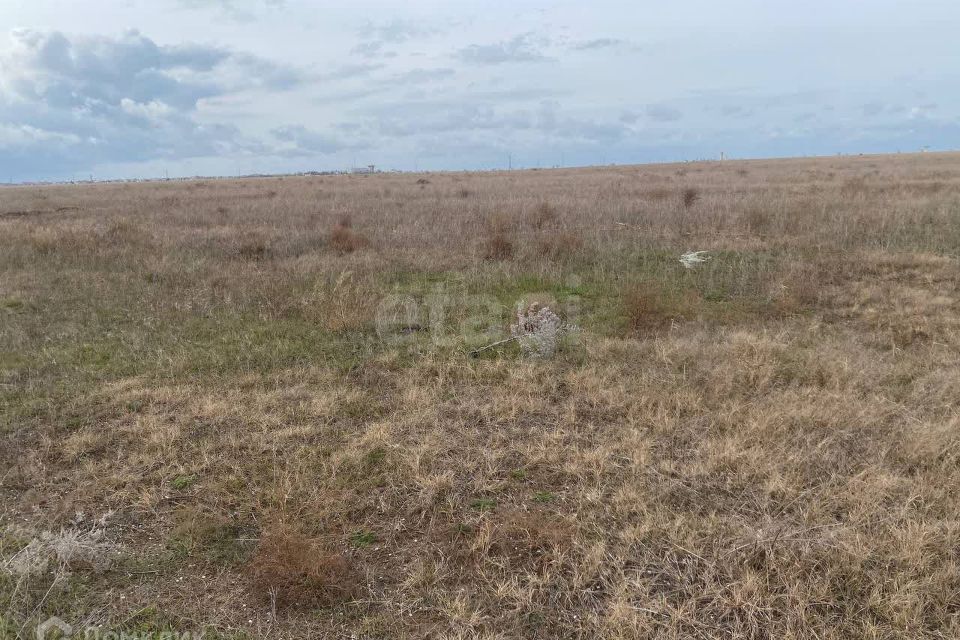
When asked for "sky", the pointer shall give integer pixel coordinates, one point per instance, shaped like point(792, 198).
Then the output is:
point(154, 88)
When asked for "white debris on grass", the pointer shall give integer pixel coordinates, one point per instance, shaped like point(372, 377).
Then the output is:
point(67, 548)
point(538, 331)
point(692, 258)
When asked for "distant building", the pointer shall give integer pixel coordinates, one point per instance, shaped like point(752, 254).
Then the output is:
point(370, 168)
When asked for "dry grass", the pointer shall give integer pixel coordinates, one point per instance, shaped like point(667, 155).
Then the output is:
point(498, 243)
point(766, 446)
point(544, 215)
point(649, 306)
point(294, 571)
point(344, 239)
point(561, 245)
point(689, 197)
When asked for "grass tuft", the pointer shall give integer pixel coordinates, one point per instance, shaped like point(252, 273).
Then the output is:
point(293, 571)
point(343, 239)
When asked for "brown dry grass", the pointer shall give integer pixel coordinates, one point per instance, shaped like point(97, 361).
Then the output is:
point(291, 570)
point(498, 243)
point(767, 446)
point(344, 239)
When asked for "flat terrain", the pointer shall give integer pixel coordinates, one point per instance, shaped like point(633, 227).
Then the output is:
point(249, 406)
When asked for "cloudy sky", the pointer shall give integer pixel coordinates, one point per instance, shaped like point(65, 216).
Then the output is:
point(140, 88)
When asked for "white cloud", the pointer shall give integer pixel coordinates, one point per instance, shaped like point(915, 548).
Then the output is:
point(24, 135)
point(154, 110)
point(272, 86)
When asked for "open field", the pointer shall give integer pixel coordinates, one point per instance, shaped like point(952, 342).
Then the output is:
point(249, 406)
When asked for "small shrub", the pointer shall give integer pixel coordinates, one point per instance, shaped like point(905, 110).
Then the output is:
point(182, 482)
point(343, 239)
point(648, 306)
point(689, 196)
point(543, 215)
point(559, 245)
point(253, 246)
point(254, 249)
point(498, 244)
point(463, 192)
point(296, 571)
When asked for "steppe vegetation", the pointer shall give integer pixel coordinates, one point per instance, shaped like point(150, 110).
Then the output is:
point(249, 406)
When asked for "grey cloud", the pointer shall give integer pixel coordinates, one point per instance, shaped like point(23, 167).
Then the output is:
point(597, 43)
point(350, 71)
point(240, 11)
point(466, 116)
point(375, 37)
point(735, 111)
point(77, 101)
point(51, 68)
point(351, 97)
point(305, 142)
point(395, 31)
point(417, 76)
point(518, 94)
point(874, 109)
point(521, 48)
point(265, 73)
point(414, 119)
point(229, 4)
point(385, 86)
point(370, 49)
point(663, 113)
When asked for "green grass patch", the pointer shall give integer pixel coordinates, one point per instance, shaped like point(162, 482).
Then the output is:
point(213, 538)
point(362, 538)
point(183, 482)
point(484, 504)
